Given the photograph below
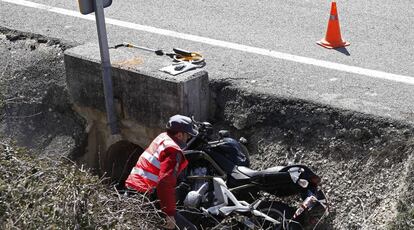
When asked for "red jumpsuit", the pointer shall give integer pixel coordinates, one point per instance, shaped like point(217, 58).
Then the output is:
point(158, 168)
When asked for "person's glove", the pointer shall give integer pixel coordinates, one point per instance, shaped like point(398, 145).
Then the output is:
point(170, 222)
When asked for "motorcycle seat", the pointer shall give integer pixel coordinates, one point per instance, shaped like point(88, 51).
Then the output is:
point(251, 172)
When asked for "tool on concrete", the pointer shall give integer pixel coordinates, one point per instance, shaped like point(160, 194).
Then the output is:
point(178, 54)
point(181, 67)
point(333, 38)
point(185, 60)
point(129, 45)
point(184, 55)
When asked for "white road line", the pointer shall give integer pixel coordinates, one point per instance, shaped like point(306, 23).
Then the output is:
point(224, 44)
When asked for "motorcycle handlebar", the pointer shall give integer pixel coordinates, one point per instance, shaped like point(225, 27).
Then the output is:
point(204, 132)
point(201, 124)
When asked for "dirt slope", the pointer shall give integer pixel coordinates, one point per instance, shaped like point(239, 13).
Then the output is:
point(36, 110)
point(366, 162)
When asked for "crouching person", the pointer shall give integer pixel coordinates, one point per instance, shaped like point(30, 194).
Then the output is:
point(158, 167)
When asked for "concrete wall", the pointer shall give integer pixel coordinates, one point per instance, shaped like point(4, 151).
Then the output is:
point(144, 96)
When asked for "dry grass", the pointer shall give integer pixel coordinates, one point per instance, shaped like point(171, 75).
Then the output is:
point(45, 193)
point(405, 206)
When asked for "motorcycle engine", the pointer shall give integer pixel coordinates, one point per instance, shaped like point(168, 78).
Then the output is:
point(199, 171)
point(199, 188)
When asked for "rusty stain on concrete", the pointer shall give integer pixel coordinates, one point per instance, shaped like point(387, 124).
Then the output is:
point(132, 62)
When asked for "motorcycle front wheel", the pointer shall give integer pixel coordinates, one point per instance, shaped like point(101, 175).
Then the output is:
point(262, 223)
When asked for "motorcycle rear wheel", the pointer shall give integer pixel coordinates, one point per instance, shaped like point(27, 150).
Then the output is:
point(280, 212)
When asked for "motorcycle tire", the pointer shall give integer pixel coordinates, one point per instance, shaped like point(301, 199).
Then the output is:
point(281, 212)
point(261, 223)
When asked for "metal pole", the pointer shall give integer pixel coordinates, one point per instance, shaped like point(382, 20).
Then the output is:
point(106, 67)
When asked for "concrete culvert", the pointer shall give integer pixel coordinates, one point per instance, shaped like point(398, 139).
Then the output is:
point(121, 157)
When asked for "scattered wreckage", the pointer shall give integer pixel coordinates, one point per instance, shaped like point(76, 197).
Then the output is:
point(218, 184)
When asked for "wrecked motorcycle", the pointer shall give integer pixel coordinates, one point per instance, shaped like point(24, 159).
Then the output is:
point(218, 183)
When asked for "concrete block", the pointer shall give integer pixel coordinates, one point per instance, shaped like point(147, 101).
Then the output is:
point(143, 93)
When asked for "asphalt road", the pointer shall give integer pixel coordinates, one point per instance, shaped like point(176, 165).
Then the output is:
point(252, 42)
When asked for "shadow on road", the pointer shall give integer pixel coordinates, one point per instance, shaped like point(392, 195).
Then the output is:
point(343, 50)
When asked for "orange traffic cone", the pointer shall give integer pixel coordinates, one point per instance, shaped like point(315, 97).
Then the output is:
point(333, 37)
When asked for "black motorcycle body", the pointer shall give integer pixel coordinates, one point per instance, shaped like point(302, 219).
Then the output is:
point(228, 158)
